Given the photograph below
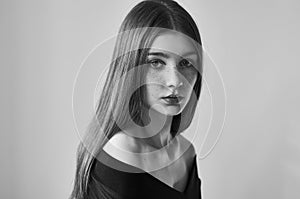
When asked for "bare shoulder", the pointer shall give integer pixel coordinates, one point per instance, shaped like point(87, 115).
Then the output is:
point(124, 141)
point(187, 146)
point(122, 147)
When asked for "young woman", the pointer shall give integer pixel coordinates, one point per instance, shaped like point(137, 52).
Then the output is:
point(133, 147)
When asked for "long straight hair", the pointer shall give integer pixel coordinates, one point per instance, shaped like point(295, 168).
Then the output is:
point(130, 51)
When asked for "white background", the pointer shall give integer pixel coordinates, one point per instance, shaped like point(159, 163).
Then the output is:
point(255, 44)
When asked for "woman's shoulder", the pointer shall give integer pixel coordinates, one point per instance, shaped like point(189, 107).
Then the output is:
point(124, 141)
point(187, 146)
point(130, 144)
point(123, 147)
point(126, 149)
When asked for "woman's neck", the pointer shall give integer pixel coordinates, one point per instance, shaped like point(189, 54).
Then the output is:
point(157, 133)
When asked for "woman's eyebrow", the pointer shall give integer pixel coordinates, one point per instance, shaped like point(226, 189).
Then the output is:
point(159, 54)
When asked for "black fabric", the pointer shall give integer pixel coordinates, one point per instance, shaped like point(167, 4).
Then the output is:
point(113, 179)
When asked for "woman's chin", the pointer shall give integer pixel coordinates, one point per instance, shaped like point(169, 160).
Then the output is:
point(170, 110)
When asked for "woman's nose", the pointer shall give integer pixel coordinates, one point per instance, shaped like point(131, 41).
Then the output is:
point(173, 78)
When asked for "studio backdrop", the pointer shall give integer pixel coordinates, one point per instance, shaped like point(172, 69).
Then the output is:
point(249, 103)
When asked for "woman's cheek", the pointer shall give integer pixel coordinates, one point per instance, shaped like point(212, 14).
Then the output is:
point(154, 78)
point(190, 76)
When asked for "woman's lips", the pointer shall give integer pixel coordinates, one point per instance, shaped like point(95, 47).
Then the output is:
point(172, 99)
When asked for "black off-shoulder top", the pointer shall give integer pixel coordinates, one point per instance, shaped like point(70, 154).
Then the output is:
point(112, 179)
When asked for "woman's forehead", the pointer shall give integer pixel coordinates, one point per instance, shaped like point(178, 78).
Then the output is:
point(173, 43)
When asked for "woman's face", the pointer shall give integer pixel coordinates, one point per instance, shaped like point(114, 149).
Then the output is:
point(171, 63)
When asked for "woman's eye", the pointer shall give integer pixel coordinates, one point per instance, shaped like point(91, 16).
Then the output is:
point(186, 64)
point(155, 63)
